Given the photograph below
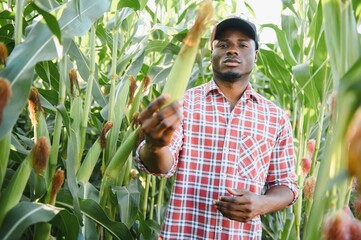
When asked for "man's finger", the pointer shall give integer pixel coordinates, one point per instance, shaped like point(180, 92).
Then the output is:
point(166, 125)
point(237, 192)
point(153, 107)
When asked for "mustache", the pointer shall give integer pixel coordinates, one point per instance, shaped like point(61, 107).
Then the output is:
point(232, 59)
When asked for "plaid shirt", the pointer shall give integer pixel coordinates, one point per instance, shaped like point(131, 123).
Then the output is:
point(250, 147)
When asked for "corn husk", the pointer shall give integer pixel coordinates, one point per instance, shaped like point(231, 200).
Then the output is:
point(181, 71)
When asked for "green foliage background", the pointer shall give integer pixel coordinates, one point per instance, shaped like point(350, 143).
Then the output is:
point(113, 45)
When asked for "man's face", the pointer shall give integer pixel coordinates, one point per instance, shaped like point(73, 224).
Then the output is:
point(233, 56)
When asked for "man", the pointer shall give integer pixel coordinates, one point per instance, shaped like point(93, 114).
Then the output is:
point(227, 144)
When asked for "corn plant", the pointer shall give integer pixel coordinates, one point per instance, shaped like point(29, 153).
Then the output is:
point(305, 52)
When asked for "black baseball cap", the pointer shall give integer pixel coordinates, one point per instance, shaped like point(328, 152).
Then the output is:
point(241, 24)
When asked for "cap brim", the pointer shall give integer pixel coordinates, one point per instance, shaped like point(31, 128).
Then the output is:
point(236, 23)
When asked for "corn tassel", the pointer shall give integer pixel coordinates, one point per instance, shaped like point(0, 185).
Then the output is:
point(180, 73)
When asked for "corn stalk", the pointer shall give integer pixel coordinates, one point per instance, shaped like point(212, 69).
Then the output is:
point(331, 188)
point(88, 95)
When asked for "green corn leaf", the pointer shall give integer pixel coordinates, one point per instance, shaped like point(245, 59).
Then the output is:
point(320, 69)
point(39, 46)
point(71, 164)
point(303, 76)
point(280, 78)
point(351, 81)
point(66, 121)
point(24, 215)
point(49, 73)
point(68, 224)
point(92, 210)
point(128, 202)
point(283, 43)
point(342, 37)
point(50, 21)
point(130, 4)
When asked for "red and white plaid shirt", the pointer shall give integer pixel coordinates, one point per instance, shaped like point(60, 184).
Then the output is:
point(250, 147)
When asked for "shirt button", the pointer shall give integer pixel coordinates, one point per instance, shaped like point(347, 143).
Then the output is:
point(224, 175)
point(220, 228)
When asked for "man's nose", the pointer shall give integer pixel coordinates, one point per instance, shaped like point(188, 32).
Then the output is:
point(232, 50)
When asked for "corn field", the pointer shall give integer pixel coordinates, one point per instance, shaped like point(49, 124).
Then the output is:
point(74, 74)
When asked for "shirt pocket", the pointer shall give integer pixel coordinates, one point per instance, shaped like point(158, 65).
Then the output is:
point(254, 158)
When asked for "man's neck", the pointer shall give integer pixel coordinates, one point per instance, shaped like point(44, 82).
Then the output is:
point(232, 90)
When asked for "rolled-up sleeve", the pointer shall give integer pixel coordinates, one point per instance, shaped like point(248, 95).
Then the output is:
point(175, 147)
point(281, 171)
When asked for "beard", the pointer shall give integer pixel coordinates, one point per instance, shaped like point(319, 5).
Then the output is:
point(229, 76)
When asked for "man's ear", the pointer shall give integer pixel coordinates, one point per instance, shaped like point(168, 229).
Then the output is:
point(256, 56)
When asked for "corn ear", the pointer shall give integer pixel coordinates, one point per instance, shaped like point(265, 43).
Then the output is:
point(3, 53)
point(40, 155)
point(181, 71)
point(135, 103)
point(92, 156)
point(5, 94)
point(116, 164)
point(4, 156)
point(56, 184)
point(76, 111)
point(121, 155)
point(37, 115)
point(354, 149)
point(116, 118)
point(74, 83)
point(12, 194)
point(42, 229)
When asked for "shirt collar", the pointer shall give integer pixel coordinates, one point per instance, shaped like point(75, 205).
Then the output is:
point(249, 93)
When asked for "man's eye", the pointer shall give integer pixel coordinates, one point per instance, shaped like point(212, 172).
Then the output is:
point(242, 45)
point(223, 45)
